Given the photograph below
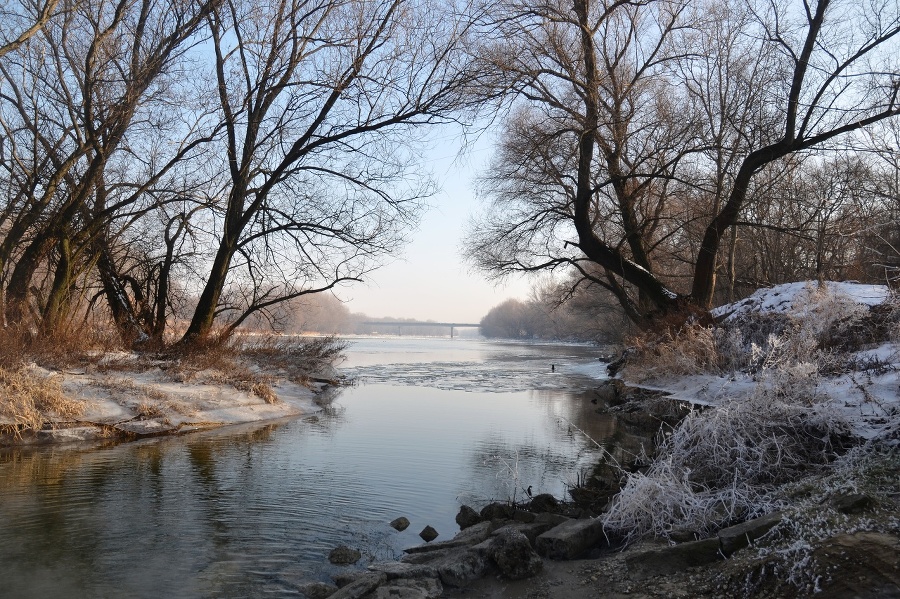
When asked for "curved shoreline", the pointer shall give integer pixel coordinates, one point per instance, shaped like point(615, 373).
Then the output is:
point(127, 405)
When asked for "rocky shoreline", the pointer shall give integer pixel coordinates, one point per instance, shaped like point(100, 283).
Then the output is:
point(549, 549)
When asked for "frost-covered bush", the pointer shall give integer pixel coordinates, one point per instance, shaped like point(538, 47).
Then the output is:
point(721, 464)
point(819, 325)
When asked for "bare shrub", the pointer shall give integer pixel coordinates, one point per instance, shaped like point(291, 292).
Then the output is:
point(29, 399)
point(61, 349)
point(299, 357)
point(690, 349)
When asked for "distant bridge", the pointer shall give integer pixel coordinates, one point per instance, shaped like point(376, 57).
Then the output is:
point(453, 325)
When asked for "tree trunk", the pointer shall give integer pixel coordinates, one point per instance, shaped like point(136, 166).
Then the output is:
point(17, 291)
point(57, 305)
point(205, 312)
point(120, 305)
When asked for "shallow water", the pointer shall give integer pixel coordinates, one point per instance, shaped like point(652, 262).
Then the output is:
point(254, 510)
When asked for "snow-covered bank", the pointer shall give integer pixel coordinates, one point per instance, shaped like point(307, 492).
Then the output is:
point(840, 342)
point(124, 395)
point(798, 411)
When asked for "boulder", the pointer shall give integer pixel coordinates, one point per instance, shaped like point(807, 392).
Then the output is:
point(852, 503)
point(672, 559)
point(461, 566)
point(467, 517)
point(361, 586)
point(470, 536)
point(514, 556)
point(420, 588)
point(531, 530)
point(318, 590)
point(544, 503)
point(524, 516)
point(497, 511)
point(428, 534)
point(741, 535)
point(342, 579)
point(400, 523)
point(607, 392)
point(549, 518)
point(427, 557)
point(395, 570)
point(343, 555)
point(570, 539)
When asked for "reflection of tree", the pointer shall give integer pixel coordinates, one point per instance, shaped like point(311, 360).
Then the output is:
point(503, 469)
point(583, 435)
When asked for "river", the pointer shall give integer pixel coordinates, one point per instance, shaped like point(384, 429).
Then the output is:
point(252, 511)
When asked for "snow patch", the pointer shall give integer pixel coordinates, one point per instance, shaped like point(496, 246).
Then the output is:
point(797, 298)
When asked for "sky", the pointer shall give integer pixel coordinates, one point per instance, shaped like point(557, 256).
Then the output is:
point(430, 280)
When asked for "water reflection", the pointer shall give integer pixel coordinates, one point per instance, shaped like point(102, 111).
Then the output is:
point(254, 510)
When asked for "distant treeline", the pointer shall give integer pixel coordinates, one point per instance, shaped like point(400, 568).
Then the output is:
point(325, 313)
point(586, 313)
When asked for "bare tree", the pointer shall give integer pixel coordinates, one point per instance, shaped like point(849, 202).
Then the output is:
point(76, 104)
point(844, 75)
point(319, 99)
point(594, 143)
point(633, 173)
point(23, 21)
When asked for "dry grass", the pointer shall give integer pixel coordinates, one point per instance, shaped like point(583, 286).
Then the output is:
point(63, 349)
point(690, 349)
point(28, 400)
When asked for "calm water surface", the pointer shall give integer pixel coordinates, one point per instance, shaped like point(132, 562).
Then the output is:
point(254, 510)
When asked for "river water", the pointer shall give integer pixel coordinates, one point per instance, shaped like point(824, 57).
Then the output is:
point(252, 511)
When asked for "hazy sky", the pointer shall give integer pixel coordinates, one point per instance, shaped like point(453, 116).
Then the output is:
point(430, 279)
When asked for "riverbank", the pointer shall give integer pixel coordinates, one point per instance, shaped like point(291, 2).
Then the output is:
point(795, 418)
point(783, 479)
point(117, 395)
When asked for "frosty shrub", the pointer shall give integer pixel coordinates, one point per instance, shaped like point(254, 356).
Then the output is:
point(722, 464)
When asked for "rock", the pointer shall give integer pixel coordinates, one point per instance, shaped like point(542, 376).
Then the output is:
point(342, 579)
point(343, 555)
point(739, 536)
point(470, 536)
point(395, 570)
point(570, 539)
point(552, 519)
point(427, 557)
point(682, 535)
point(428, 534)
point(424, 588)
point(461, 566)
point(400, 523)
point(673, 559)
point(855, 503)
point(531, 530)
point(360, 586)
point(543, 503)
point(864, 565)
point(607, 392)
point(318, 590)
point(497, 511)
point(467, 517)
point(523, 516)
point(515, 558)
